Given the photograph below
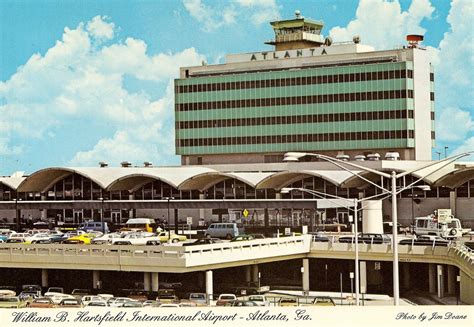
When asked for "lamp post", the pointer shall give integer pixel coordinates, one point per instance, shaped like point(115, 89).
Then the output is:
point(102, 214)
point(393, 176)
point(446, 151)
point(168, 199)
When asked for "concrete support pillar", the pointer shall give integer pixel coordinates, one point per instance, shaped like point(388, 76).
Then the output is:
point(266, 222)
point(95, 279)
point(305, 274)
point(255, 274)
point(44, 278)
point(209, 285)
point(132, 212)
point(176, 224)
point(466, 288)
point(43, 211)
point(440, 280)
point(432, 277)
point(405, 275)
point(146, 281)
point(154, 282)
point(248, 274)
point(202, 196)
point(451, 280)
point(452, 202)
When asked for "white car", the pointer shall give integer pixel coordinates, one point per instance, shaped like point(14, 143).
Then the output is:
point(38, 237)
point(118, 301)
point(144, 238)
point(86, 299)
point(261, 300)
point(18, 236)
point(107, 238)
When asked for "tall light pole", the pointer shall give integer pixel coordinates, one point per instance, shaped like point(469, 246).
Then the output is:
point(393, 176)
point(168, 218)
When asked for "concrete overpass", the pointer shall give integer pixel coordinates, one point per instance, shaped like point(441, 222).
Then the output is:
point(152, 260)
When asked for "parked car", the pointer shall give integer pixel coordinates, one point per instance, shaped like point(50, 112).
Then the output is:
point(223, 299)
point(425, 240)
point(169, 305)
point(94, 226)
point(150, 303)
point(28, 296)
point(70, 303)
point(86, 299)
point(42, 302)
point(323, 301)
point(107, 238)
point(203, 241)
point(430, 225)
point(243, 237)
point(318, 237)
point(368, 238)
point(260, 300)
point(227, 230)
point(58, 297)
point(118, 301)
point(79, 239)
point(199, 298)
point(18, 237)
point(166, 296)
point(97, 303)
point(55, 289)
point(137, 238)
point(242, 303)
point(12, 302)
point(164, 236)
point(288, 302)
point(132, 304)
point(37, 237)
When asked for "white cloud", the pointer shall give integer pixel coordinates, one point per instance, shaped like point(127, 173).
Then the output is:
point(100, 29)
point(450, 117)
point(224, 14)
point(383, 24)
point(74, 81)
point(467, 146)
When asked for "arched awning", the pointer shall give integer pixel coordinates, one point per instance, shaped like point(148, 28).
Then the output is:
point(285, 178)
point(460, 175)
point(12, 182)
point(204, 181)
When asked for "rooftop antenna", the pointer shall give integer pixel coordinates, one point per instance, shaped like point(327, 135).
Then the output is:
point(298, 14)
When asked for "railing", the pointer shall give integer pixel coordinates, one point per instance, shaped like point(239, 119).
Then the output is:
point(167, 257)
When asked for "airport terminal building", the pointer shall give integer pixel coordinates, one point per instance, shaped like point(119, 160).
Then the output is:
point(234, 123)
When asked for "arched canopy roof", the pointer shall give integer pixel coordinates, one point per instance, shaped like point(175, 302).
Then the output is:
point(204, 181)
point(460, 175)
point(111, 178)
point(284, 178)
point(12, 182)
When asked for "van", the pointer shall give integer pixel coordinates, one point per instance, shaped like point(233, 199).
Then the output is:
point(227, 230)
point(431, 225)
point(97, 226)
point(140, 224)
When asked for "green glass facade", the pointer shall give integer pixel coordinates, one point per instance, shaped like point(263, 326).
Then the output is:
point(359, 106)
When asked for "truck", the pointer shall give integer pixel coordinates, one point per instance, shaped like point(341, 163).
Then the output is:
point(441, 223)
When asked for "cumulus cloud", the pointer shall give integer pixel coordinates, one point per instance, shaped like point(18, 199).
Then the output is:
point(224, 14)
point(456, 117)
point(383, 24)
point(81, 79)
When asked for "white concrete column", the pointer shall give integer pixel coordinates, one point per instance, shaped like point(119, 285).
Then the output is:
point(406, 275)
point(432, 277)
point(305, 274)
point(255, 273)
point(95, 279)
point(146, 281)
point(131, 197)
point(451, 279)
point(43, 211)
point(248, 273)
point(452, 202)
point(440, 280)
point(154, 282)
point(44, 278)
point(202, 215)
point(209, 286)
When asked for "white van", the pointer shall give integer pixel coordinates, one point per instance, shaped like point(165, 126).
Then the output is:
point(430, 225)
point(227, 230)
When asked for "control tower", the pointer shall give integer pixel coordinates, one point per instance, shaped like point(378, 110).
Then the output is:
point(297, 33)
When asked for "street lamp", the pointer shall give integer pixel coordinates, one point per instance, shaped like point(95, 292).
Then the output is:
point(393, 176)
point(168, 218)
point(102, 214)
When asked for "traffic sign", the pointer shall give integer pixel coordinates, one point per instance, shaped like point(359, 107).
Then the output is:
point(245, 213)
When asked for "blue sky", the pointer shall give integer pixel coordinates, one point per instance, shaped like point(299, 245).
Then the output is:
point(89, 81)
